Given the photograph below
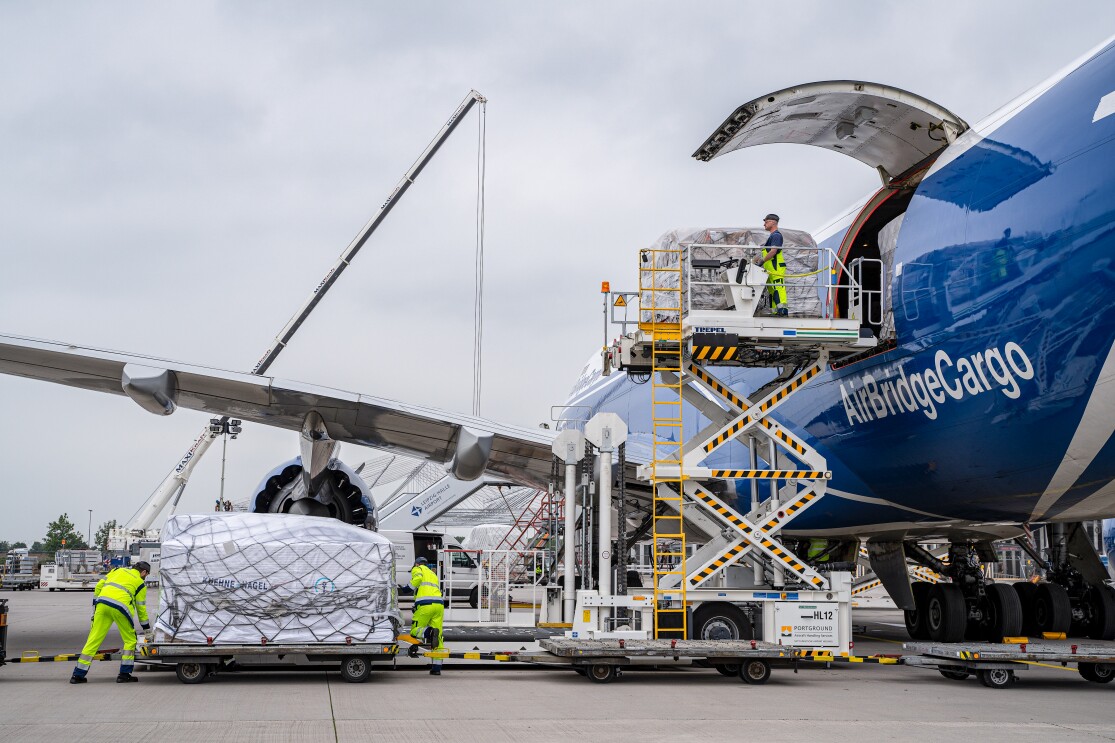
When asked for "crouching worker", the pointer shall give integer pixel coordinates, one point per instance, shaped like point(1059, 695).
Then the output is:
point(116, 596)
point(429, 610)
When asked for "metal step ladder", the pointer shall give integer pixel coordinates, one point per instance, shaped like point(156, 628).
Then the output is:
point(660, 288)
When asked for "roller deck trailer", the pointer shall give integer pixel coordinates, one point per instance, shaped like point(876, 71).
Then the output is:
point(196, 663)
point(995, 665)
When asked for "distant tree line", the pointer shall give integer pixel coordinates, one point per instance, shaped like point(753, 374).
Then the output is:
point(62, 534)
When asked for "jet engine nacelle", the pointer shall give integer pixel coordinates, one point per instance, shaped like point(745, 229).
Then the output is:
point(342, 494)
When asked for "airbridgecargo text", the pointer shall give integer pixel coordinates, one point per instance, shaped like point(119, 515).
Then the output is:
point(869, 397)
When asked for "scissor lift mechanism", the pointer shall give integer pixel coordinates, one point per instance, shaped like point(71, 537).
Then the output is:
point(676, 346)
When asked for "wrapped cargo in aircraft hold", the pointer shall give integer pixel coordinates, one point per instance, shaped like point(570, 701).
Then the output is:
point(799, 250)
point(244, 577)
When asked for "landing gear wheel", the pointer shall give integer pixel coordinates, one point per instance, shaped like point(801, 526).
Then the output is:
point(1097, 673)
point(946, 613)
point(755, 671)
point(719, 621)
point(355, 669)
point(915, 618)
point(1100, 605)
point(727, 669)
point(997, 679)
point(1003, 612)
point(601, 673)
point(192, 673)
point(1026, 591)
point(954, 675)
point(1052, 608)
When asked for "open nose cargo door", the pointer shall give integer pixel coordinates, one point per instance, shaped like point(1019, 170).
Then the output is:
point(886, 128)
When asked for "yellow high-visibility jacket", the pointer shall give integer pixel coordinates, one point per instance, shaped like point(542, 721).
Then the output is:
point(125, 590)
point(425, 584)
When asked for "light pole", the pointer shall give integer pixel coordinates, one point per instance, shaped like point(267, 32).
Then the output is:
point(89, 531)
point(225, 428)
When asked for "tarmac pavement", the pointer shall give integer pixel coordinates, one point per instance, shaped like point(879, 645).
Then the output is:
point(511, 703)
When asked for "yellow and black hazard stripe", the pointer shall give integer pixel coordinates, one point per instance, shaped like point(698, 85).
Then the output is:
point(826, 656)
point(771, 474)
point(790, 510)
point(714, 346)
point(714, 353)
point(790, 560)
point(791, 388)
point(444, 654)
point(726, 558)
point(724, 511)
point(31, 656)
point(867, 586)
point(727, 434)
point(721, 389)
point(782, 436)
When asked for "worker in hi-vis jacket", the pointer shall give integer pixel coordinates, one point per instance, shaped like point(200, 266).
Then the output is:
point(115, 598)
point(429, 609)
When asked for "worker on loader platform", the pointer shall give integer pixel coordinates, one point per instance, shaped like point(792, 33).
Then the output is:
point(429, 610)
point(115, 597)
point(774, 263)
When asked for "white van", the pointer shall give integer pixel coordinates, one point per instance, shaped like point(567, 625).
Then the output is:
point(462, 574)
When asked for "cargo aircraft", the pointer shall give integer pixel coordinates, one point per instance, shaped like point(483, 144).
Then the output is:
point(986, 406)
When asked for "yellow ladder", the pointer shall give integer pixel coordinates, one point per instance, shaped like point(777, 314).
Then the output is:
point(660, 287)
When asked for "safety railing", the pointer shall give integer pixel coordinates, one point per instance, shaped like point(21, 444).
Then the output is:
point(865, 305)
point(504, 587)
point(814, 277)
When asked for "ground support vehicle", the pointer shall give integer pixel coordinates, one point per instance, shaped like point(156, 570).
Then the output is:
point(995, 665)
point(194, 664)
point(17, 582)
point(72, 570)
point(18, 570)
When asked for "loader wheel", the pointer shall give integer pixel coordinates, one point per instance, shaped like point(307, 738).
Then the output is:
point(601, 673)
point(755, 671)
point(1097, 673)
point(997, 679)
point(355, 669)
point(192, 673)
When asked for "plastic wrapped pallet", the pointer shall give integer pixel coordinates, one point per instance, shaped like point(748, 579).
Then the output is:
point(799, 251)
point(487, 536)
point(240, 577)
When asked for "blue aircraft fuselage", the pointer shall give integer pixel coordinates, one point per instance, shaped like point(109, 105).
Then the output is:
point(990, 405)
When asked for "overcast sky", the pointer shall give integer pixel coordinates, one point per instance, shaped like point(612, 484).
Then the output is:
point(176, 178)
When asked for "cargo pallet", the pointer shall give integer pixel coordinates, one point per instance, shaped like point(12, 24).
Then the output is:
point(196, 663)
point(995, 664)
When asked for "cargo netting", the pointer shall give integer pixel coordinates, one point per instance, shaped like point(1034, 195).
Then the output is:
point(243, 578)
point(803, 272)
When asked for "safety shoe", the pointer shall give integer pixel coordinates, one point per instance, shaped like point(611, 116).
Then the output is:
point(124, 678)
point(783, 312)
point(78, 680)
point(435, 671)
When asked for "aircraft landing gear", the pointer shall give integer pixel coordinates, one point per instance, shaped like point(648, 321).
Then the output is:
point(969, 608)
point(1074, 598)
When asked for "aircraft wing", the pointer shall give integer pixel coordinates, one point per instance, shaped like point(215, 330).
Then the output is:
point(471, 446)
